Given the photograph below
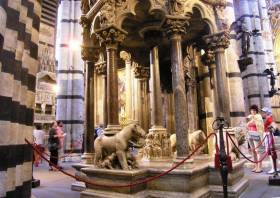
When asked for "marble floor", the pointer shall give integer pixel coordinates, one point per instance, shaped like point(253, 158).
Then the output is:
point(57, 185)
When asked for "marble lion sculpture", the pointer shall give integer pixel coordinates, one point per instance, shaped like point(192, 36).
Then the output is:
point(195, 139)
point(117, 145)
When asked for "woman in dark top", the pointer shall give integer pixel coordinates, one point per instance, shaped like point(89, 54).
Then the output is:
point(53, 145)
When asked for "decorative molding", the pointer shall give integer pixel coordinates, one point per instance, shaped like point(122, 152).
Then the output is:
point(141, 72)
point(90, 53)
point(218, 41)
point(175, 25)
point(111, 35)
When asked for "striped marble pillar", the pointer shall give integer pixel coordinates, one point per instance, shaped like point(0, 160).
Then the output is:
point(255, 82)
point(233, 75)
point(19, 38)
point(267, 36)
point(70, 74)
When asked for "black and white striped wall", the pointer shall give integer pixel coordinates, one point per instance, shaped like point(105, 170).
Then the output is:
point(70, 73)
point(19, 37)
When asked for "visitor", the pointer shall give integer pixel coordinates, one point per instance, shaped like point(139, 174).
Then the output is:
point(53, 145)
point(61, 136)
point(39, 137)
point(255, 130)
point(268, 122)
point(99, 130)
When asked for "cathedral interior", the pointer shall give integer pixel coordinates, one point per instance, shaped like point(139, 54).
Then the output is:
point(155, 75)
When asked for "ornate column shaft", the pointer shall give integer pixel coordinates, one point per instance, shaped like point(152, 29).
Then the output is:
point(111, 37)
point(209, 59)
point(175, 27)
point(89, 56)
point(142, 74)
point(218, 43)
point(156, 102)
point(127, 58)
point(101, 70)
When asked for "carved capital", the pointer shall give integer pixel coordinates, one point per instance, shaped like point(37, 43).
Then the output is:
point(101, 68)
point(111, 35)
point(218, 41)
point(141, 72)
point(175, 25)
point(89, 53)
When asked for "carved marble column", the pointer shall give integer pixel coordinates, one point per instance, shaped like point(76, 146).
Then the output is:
point(128, 78)
point(89, 122)
point(142, 74)
point(111, 37)
point(175, 27)
point(89, 54)
point(101, 70)
point(218, 43)
point(208, 59)
point(157, 133)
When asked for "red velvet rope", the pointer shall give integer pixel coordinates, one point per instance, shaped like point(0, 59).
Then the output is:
point(143, 181)
point(65, 155)
point(262, 158)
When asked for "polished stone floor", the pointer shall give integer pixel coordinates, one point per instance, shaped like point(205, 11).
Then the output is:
point(57, 185)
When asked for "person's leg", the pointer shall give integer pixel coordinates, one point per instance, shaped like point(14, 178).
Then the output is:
point(258, 153)
point(51, 159)
point(55, 157)
point(253, 152)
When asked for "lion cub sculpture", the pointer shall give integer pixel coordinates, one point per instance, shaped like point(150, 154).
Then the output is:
point(112, 152)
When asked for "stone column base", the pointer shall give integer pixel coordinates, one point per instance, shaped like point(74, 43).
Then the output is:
point(112, 130)
point(188, 164)
point(161, 151)
point(87, 158)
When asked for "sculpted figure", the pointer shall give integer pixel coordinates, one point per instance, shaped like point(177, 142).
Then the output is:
point(85, 6)
point(165, 145)
point(195, 139)
point(157, 146)
point(245, 39)
point(148, 148)
point(118, 144)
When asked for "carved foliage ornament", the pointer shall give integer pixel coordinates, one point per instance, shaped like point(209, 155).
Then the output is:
point(101, 68)
point(89, 53)
point(175, 25)
point(141, 72)
point(217, 41)
point(111, 35)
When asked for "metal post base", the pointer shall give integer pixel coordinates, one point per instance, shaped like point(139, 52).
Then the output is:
point(274, 180)
point(35, 183)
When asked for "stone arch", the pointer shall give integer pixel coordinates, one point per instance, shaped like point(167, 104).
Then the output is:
point(207, 14)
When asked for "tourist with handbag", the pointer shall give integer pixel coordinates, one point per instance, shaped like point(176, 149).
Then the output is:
point(255, 130)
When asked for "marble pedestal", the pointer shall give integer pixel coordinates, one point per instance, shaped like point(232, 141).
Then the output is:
point(203, 180)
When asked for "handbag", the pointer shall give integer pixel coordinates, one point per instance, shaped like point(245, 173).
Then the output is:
point(53, 146)
point(276, 132)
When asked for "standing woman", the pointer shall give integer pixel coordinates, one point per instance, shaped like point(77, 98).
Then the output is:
point(53, 145)
point(255, 132)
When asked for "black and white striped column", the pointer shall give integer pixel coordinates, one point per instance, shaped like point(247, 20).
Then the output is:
point(70, 74)
point(19, 38)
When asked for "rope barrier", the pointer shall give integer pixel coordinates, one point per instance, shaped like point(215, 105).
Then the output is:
point(247, 158)
point(143, 181)
point(65, 155)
